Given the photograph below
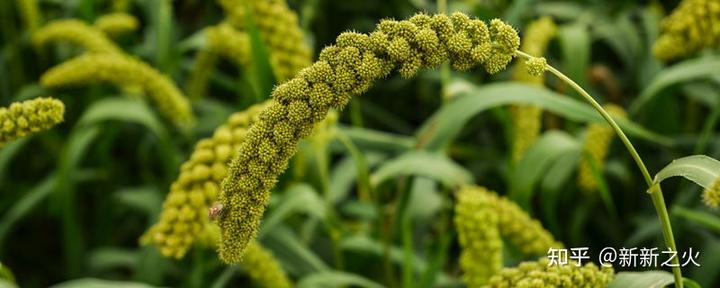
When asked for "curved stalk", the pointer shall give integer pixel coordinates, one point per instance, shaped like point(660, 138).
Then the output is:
point(654, 190)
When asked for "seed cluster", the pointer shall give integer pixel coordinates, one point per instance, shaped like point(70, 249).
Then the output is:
point(346, 68)
point(482, 218)
point(479, 236)
point(202, 69)
point(24, 118)
point(595, 149)
point(223, 40)
point(692, 26)
point(263, 268)
point(540, 275)
point(711, 195)
point(116, 24)
point(527, 118)
point(279, 29)
point(228, 42)
point(76, 32)
point(124, 71)
point(185, 212)
point(30, 14)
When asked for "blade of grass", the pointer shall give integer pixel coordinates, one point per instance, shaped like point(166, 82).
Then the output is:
point(442, 128)
point(687, 70)
point(260, 71)
point(703, 218)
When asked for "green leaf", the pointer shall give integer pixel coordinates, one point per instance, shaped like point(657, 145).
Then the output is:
point(225, 277)
point(703, 218)
point(700, 169)
point(687, 70)
point(144, 199)
point(27, 203)
point(300, 198)
point(336, 279)
point(104, 259)
point(362, 170)
point(422, 163)
point(622, 36)
point(260, 71)
point(99, 283)
point(535, 163)
point(7, 153)
point(7, 284)
point(377, 140)
point(7, 276)
point(689, 283)
point(123, 109)
point(649, 279)
point(445, 125)
point(296, 257)
point(345, 174)
point(553, 183)
point(559, 9)
point(703, 93)
point(575, 45)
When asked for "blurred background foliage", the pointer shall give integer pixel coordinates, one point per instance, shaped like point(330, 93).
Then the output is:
point(74, 200)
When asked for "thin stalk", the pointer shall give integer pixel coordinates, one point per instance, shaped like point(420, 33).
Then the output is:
point(654, 190)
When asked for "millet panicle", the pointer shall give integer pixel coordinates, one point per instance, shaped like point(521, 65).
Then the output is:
point(21, 119)
point(184, 216)
point(347, 68)
point(527, 118)
point(123, 70)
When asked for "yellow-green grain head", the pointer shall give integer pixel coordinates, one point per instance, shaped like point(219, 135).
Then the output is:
point(711, 195)
point(483, 219)
point(123, 71)
point(228, 42)
point(184, 218)
point(479, 235)
point(692, 26)
point(203, 67)
point(527, 119)
point(524, 232)
point(116, 24)
point(263, 268)
point(30, 14)
point(347, 68)
point(279, 30)
point(222, 40)
point(540, 274)
point(76, 32)
point(596, 146)
point(21, 119)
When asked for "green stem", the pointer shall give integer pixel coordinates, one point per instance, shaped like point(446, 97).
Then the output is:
point(654, 190)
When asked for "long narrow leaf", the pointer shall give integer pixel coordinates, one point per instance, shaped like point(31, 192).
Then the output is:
point(426, 164)
point(445, 125)
point(682, 72)
point(700, 169)
point(551, 146)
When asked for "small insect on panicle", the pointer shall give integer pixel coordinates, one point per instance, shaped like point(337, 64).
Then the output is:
point(215, 211)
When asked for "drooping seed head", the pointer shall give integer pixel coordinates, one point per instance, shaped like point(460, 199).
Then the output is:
point(711, 195)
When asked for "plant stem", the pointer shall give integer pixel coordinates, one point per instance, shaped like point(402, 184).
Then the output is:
point(654, 190)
